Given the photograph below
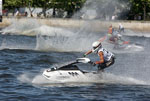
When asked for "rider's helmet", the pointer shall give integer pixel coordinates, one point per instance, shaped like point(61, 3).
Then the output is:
point(96, 45)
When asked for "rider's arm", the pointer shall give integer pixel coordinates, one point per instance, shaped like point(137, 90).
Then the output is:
point(87, 53)
point(101, 58)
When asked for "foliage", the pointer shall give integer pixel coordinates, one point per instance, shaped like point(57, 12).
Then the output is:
point(11, 3)
point(140, 7)
point(71, 6)
point(67, 5)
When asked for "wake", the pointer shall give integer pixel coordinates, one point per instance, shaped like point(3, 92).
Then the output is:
point(106, 78)
point(139, 34)
point(59, 39)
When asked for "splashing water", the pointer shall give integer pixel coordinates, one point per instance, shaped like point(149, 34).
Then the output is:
point(90, 78)
point(62, 43)
point(25, 78)
point(103, 9)
point(61, 39)
point(133, 33)
point(21, 26)
point(67, 40)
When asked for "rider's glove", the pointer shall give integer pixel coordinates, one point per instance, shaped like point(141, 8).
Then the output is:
point(92, 63)
point(84, 55)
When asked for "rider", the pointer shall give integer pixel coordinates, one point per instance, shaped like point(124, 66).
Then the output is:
point(111, 37)
point(106, 58)
point(121, 28)
point(114, 36)
point(110, 30)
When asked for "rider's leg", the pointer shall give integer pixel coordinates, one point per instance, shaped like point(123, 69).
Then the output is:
point(101, 67)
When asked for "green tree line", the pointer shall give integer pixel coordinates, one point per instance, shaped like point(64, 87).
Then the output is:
point(70, 6)
point(141, 7)
point(138, 7)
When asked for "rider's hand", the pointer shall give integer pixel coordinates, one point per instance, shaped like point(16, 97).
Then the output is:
point(92, 63)
point(84, 55)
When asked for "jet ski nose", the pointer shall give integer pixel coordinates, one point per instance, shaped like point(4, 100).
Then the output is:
point(46, 73)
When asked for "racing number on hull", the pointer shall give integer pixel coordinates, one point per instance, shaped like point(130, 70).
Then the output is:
point(73, 73)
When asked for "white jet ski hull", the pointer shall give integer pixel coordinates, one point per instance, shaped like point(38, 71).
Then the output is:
point(71, 73)
point(61, 74)
point(71, 76)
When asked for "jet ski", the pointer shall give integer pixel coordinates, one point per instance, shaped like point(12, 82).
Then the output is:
point(118, 43)
point(68, 72)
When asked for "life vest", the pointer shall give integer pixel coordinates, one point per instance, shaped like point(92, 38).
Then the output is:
point(110, 30)
point(107, 55)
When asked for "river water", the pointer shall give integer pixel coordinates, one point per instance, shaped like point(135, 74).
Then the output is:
point(24, 58)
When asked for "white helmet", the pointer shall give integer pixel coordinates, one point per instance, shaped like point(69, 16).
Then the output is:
point(96, 45)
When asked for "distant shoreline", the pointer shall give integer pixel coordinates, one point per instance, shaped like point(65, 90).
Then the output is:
point(94, 25)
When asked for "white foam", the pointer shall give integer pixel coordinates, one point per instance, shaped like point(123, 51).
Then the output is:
point(54, 31)
point(19, 27)
point(139, 34)
point(111, 78)
point(25, 78)
point(107, 78)
point(75, 42)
